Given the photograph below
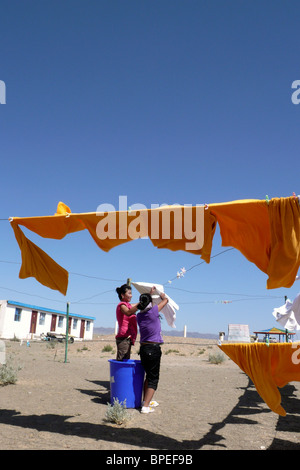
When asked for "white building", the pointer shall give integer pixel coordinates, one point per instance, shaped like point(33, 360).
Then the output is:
point(23, 321)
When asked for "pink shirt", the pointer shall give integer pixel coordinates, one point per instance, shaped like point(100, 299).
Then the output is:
point(127, 324)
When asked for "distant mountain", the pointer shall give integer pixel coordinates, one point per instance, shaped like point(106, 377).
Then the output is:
point(191, 334)
point(110, 331)
point(99, 330)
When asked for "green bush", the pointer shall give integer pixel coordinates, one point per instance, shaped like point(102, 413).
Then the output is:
point(217, 358)
point(117, 413)
point(169, 351)
point(8, 373)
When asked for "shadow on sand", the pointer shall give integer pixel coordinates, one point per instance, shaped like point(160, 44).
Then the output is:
point(244, 412)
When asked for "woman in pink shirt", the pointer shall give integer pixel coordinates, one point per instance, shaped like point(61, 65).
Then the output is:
point(126, 317)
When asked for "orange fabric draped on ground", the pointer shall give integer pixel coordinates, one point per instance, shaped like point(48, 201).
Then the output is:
point(267, 235)
point(269, 367)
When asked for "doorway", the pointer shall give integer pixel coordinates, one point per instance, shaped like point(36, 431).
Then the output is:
point(53, 323)
point(82, 329)
point(33, 322)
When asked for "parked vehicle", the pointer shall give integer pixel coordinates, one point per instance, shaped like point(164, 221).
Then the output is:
point(61, 338)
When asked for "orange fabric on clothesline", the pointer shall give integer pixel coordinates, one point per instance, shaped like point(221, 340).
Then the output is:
point(268, 366)
point(245, 226)
point(36, 263)
point(267, 235)
point(284, 262)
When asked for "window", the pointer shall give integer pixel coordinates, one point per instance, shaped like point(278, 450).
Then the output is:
point(88, 325)
point(18, 312)
point(42, 318)
point(60, 321)
point(75, 323)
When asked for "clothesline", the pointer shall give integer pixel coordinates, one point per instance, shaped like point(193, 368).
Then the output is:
point(249, 296)
point(268, 235)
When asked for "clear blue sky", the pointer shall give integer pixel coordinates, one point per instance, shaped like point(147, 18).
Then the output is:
point(165, 102)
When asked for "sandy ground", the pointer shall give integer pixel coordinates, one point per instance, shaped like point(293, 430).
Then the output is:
point(203, 406)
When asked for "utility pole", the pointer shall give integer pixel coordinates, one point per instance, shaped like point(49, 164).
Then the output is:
point(67, 331)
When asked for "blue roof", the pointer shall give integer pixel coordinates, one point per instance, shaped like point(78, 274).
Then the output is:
point(43, 309)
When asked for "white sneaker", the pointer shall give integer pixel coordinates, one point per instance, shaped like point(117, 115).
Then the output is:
point(152, 403)
point(147, 409)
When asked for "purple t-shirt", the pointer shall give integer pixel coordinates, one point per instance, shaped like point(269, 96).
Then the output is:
point(149, 325)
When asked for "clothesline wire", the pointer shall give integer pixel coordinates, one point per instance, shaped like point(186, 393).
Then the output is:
point(76, 274)
point(198, 264)
point(221, 293)
point(190, 303)
point(96, 277)
point(31, 295)
point(250, 297)
point(202, 262)
point(96, 295)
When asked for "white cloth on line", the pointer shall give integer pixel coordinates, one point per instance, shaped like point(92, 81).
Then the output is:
point(289, 314)
point(168, 310)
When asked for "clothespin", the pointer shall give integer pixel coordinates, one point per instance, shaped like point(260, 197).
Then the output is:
point(297, 198)
point(267, 199)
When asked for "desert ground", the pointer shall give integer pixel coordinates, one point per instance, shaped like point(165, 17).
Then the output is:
point(61, 405)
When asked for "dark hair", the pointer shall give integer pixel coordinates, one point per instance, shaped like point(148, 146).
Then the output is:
point(145, 300)
point(122, 290)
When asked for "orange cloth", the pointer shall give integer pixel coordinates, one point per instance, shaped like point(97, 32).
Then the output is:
point(245, 226)
point(285, 242)
point(269, 367)
point(36, 263)
point(268, 236)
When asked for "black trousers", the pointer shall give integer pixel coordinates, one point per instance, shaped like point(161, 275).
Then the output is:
point(150, 359)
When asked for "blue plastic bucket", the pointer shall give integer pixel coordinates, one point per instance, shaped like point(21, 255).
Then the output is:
point(126, 382)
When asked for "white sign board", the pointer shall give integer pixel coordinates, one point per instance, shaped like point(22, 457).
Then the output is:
point(238, 333)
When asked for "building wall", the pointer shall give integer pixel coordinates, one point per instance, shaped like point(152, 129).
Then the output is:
point(2, 316)
point(10, 328)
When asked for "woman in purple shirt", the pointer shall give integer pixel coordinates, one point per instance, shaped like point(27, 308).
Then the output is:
point(150, 351)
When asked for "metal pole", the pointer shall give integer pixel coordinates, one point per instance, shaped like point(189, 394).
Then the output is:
point(67, 332)
point(129, 281)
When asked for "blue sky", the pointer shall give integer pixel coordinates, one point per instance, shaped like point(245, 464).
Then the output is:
point(183, 102)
